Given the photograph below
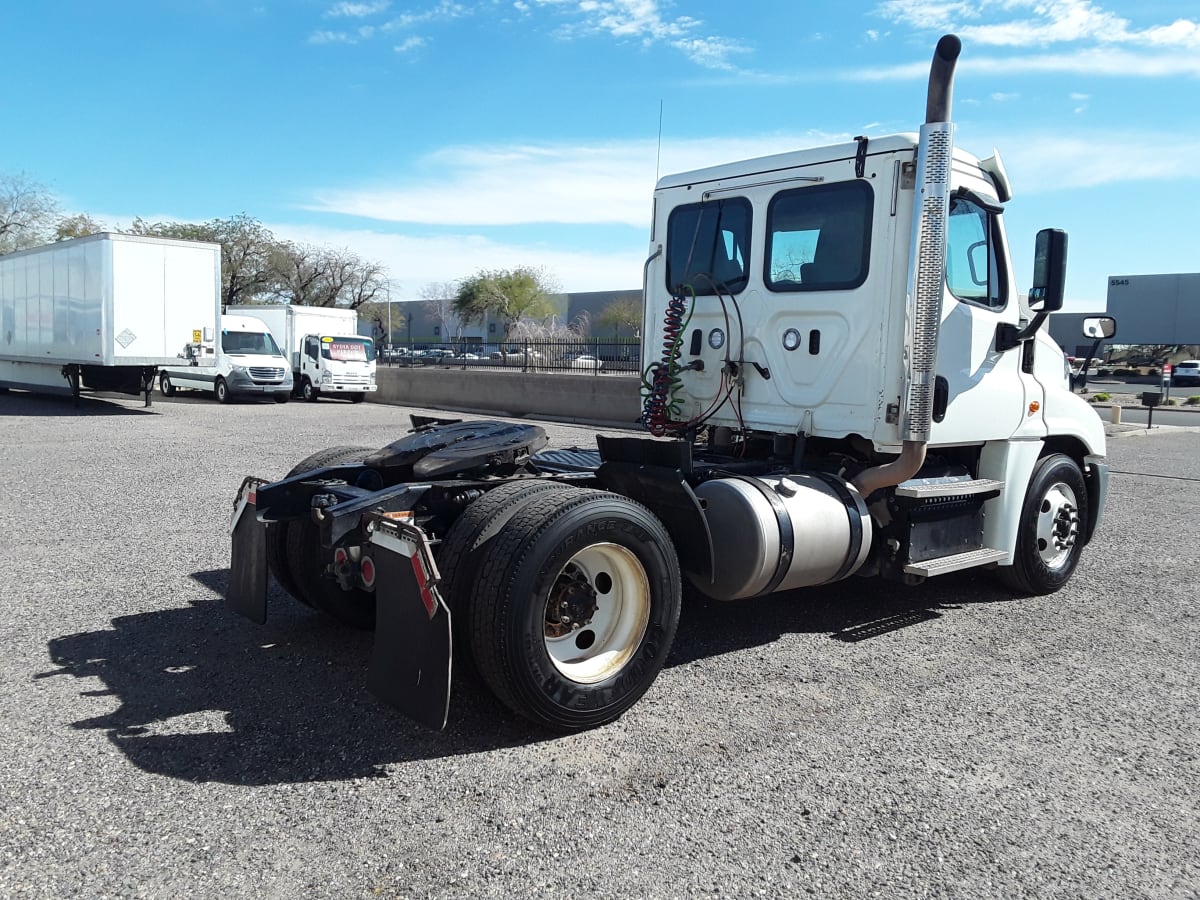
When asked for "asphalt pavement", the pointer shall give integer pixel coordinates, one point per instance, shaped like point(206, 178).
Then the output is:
point(858, 740)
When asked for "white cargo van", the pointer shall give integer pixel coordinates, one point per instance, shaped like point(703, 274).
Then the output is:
point(248, 362)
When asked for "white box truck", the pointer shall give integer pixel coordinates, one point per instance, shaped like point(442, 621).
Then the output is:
point(322, 344)
point(246, 362)
point(103, 312)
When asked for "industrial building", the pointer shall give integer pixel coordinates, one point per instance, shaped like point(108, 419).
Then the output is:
point(1149, 309)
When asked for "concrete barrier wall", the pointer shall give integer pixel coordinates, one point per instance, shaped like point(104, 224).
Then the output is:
point(601, 399)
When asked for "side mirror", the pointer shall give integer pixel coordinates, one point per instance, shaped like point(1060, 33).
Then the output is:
point(1049, 270)
point(1100, 328)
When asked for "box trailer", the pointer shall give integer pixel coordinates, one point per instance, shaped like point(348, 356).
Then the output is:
point(322, 344)
point(103, 312)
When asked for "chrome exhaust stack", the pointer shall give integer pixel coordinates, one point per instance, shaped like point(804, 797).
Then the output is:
point(926, 273)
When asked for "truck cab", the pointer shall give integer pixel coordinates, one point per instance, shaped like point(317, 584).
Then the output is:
point(336, 365)
point(247, 362)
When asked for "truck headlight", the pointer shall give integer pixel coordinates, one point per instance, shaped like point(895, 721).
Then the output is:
point(239, 370)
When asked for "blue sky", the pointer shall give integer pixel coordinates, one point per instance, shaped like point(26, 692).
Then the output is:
point(442, 137)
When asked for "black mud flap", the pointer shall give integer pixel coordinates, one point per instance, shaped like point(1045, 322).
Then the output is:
point(247, 592)
point(411, 660)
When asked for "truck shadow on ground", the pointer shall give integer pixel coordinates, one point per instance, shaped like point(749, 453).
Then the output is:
point(202, 695)
point(19, 403)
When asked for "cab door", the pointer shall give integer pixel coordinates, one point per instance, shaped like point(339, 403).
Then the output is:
point(982, 393)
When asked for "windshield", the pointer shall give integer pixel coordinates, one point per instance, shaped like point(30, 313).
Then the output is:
point(350, 349)
point(249, 343)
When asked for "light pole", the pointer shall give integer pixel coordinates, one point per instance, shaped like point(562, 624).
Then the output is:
point(387, 290)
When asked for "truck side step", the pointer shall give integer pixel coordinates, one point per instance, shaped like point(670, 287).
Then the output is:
point(928, 489)
point(943, 564)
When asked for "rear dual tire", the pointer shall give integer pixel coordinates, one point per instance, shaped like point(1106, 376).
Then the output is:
point(298, 561)
point(573, 607)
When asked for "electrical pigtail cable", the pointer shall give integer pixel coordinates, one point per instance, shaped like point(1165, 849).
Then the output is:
point(660, 382)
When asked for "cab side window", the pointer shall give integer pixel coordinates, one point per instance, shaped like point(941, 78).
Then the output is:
point(973, 270)
point(819, 238)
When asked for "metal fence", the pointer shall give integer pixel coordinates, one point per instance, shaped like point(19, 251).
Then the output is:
point(594, 356)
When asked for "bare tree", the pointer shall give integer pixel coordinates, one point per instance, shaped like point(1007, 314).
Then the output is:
point(27, 213)
point(438, 299)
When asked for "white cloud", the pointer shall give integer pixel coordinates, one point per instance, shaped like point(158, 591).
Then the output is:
point(443, 11)
point(414, 261)
point(410, 44)
point(519, 185)
point(331, 37)
point(1005, 97)
point(356, 10)
point(1110, 62)
point(1047, 162)
point(1026, 22)
point(644, 21)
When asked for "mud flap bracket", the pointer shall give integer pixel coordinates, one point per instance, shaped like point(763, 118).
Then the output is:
point(412, 657)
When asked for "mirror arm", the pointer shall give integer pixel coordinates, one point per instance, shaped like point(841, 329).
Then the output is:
point(1010, 336)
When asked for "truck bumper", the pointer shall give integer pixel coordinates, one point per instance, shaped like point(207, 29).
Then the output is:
point(346, 388)
point(1096, 478)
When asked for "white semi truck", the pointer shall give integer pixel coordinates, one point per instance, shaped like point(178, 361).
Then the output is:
point(327, 356)
point(243, 361)
point(103, 312)
point(848, 385)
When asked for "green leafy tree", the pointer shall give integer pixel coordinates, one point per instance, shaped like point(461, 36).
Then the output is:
point(624, 312)
point(511, 295)
point(80, 225)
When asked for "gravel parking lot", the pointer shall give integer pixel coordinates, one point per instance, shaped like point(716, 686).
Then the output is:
point(853, 741)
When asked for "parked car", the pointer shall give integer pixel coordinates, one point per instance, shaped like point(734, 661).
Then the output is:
point(515, 356)
point(586, 361)
point(1186, 372)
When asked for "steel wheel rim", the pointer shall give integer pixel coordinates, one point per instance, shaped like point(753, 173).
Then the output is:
point(1057, 525)
point(597, 643)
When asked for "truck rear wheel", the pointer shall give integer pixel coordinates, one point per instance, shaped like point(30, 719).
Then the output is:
point(468, 539)
point(1050, 534)
point(575, 607)
point(164, 385)
point(278, 562)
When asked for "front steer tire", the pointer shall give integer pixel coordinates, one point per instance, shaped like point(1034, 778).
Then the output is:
point(575, 608)
point(1050, 533)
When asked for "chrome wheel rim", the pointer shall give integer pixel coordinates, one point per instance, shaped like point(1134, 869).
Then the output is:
point(1057, 525)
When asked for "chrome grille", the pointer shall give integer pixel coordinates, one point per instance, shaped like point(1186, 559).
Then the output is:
point(263, 373)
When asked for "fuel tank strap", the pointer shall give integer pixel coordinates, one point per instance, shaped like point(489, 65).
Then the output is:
point(854, 504)
point(787, 534)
